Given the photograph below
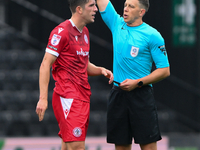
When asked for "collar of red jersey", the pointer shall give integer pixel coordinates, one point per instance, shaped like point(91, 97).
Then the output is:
point(74, 25)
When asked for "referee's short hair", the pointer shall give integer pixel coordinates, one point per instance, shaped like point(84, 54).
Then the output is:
point(145, 4)
point(74, 3)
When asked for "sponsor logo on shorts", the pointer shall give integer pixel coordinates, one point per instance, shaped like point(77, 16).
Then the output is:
point(134, 51)
point(77, 132)
point(55, 39)
point(163, 49)
point(52, 47)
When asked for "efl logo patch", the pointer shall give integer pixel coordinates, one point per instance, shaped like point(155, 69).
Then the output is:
point(77, 132)
point(55, 39)
point(134, 51)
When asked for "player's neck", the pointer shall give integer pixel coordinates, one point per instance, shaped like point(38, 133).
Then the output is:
point(78, 23)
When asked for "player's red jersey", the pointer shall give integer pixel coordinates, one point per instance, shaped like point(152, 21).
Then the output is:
point(70, 68)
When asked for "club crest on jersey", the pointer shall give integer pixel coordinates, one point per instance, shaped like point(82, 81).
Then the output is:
point(86, 38)
point(55, 39)
point(77, 132)
point(134, 51)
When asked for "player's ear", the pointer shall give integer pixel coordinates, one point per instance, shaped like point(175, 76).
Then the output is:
point(79, 9)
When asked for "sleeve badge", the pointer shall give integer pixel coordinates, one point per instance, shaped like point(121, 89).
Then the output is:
point(163, 49)
point(55, 39)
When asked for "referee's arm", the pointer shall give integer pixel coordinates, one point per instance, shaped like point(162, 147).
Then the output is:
point(102, 4)
point(156, 76)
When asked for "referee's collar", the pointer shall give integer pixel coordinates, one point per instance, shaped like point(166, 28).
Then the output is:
point(126, 27)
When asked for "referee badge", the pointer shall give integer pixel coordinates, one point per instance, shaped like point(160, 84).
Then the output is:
point(134, 51)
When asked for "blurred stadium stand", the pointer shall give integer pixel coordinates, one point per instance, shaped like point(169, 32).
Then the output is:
point(22, 38)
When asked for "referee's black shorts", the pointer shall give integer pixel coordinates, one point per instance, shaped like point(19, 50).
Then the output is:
point(132, 115)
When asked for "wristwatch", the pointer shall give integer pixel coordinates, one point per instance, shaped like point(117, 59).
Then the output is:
point(140, 83)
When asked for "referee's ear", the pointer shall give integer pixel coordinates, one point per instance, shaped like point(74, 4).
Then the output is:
point(142, 12)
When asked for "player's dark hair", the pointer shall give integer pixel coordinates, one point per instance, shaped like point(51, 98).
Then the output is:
point(74, 3)
point(145, 4)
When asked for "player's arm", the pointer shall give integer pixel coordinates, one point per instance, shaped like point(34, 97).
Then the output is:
point(93, 70)
point(44, 77)
point(102, 4)
point(156, 76)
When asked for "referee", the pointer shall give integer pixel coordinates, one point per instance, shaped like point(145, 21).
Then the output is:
point(132, 112)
